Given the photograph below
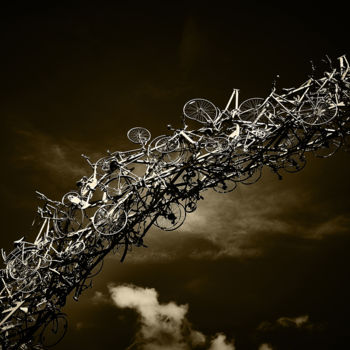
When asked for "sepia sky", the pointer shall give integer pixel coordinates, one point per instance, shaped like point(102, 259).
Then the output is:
point(264, 267)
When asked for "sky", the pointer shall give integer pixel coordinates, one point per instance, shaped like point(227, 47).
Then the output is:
point(263, 267)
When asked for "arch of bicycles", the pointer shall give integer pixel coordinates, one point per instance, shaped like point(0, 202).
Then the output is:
point(158, 184)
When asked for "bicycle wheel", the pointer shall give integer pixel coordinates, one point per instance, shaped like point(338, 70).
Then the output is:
point(166, 149)
point(190, 205)
point(294, 163)
point(254, 175)
point(29, 284)
point(105, 165)
point(326, 147)
point(190, 179)
point(171, 216)
point(76, 248)
point(68, 221)
point(317, 110)
point(109, 220)
point(54, 330)
point(71, 198)
point(239, 166)
point(247, 139)
point(200, 110)
point(22, 263)
point(224, 186)
point(257, 112)
point(139, 135)
point(167, 144)
point(118, 186)
point(289, 141)
point(13, 331)
point(217, 144)
point(140, 202)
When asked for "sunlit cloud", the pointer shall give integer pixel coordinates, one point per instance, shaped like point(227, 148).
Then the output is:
point(220, 343)
point(265, 346)
point(234, 224)
point(163, 326)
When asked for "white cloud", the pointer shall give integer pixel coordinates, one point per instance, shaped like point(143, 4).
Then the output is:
point(220, 343)
point(157, 320)
point(162, 326)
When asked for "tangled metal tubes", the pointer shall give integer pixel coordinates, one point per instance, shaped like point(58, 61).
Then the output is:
point(157, 184)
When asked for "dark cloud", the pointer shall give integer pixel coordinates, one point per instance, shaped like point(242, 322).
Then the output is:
point(294, 322)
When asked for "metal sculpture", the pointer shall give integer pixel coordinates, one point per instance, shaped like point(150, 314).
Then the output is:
point(158, 184)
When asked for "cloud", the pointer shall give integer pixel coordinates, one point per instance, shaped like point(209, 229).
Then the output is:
point(246, 223)
point(296, 321)
point(337, 224)
point(287, 322)
point(220, 343)
point(100, 298)
point(226, 225)
point(265, 346)
point(162, 326)
point(49, 154)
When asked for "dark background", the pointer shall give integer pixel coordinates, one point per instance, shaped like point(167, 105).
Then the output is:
point(75, 77)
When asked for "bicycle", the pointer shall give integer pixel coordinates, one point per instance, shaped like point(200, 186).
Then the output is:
point(197, 141)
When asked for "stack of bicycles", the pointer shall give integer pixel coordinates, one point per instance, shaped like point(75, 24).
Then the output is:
point(157, 184)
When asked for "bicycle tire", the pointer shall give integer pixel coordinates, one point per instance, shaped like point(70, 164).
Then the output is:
point(68, 221)
point(76, 248)
point(201, 110)
point(225, 186)
point(24, 262)
point(163, 151)
point(251, 109)
point(118, 186)
point(109, 220)
point(190, 205)
point(217, 144)
point(328, 147)
point(254, 175)
point(29, 284)
point(71, 198)
point(317, 110)
point(139, 135)
point(294, 163)
point(103, 165)
point(54, 330)
point(171, 216)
